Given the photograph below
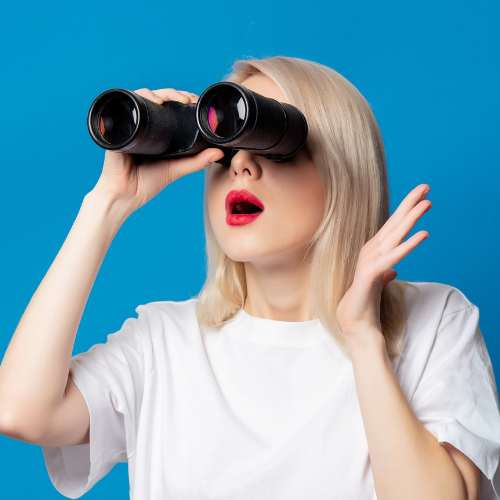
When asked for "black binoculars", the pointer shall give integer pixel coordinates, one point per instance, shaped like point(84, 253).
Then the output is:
point(227, 116)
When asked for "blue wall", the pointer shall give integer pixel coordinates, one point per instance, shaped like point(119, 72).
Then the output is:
point(430, 70)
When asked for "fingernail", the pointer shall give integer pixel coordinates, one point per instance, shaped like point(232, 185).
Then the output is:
point(424, 194)
point(215, 157)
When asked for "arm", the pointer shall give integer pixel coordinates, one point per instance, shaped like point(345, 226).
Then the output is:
point(39, 402)
point(407, 460)
point(34, 370)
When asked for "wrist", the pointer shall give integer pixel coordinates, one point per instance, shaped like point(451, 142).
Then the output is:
point(370, 342)
point(108, 208)
point(112, 202)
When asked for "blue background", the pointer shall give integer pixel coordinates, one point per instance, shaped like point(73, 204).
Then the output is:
point(429, 69)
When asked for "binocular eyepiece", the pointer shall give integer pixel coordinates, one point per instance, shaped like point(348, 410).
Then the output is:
point(227, 116)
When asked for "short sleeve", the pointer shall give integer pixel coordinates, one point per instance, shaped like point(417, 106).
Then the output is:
point(456, 398)
point(111, 377)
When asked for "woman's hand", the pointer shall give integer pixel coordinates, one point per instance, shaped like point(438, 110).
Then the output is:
point(135, 185)
point(358, 312)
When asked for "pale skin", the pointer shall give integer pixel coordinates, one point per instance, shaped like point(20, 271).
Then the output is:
point(407, 461)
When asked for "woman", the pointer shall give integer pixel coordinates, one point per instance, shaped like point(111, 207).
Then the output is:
point(302, 369)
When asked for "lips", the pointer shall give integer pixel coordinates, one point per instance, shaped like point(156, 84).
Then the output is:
point(242, 207)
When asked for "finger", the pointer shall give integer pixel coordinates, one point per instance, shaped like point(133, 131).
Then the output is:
point(414, 197)
point(390, 259)
point(149, 94)
point(193, 97)
point(172, 95)
point(401, 231)
point(189, 164)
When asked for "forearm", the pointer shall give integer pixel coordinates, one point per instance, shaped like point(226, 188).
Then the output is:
point(407, 461)
point(35, 367)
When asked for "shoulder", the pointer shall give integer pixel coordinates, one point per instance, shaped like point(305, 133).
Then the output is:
point(431, 302)
point(440, 319)
point(175, 310)
point(168, 317)
point(423, 294)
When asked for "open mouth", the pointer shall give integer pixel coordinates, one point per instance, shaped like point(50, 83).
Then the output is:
point(245, 207)
point(242, 207)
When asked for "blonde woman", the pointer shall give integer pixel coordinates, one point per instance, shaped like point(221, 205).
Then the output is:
point(302, 370)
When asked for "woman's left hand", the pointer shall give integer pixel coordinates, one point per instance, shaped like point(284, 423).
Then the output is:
point(358, 312)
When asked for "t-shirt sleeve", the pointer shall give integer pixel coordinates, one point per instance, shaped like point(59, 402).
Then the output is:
point(456, 398)
point(111, 377)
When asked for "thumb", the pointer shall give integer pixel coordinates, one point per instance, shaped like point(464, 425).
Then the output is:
point(183, 166)
point(388, 277)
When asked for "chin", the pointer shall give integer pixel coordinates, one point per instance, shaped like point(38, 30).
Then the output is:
point(243, 254)
point(254, 253)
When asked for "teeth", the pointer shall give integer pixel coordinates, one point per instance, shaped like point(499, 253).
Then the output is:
point(245, 207)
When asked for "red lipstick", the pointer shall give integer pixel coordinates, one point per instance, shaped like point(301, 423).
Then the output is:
point(242, 207)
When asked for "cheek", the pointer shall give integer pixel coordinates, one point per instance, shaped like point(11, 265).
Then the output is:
point(215, 192)
point(301, 214)
point(300, 202)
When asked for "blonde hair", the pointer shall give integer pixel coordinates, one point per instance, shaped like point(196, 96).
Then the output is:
point(346, 146)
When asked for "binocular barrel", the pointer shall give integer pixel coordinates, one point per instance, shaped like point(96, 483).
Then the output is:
point(227, 115)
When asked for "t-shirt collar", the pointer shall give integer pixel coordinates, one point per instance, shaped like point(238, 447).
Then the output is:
point(291, 334)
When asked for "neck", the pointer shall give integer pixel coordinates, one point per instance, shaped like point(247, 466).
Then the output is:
point(279, 290)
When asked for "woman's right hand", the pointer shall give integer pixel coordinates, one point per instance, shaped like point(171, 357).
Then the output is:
point(134, 185)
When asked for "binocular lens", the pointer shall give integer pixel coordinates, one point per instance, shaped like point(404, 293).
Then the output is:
point(226, 113)
point(118, 119)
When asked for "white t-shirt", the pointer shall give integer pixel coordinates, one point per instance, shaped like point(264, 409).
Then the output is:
point(268, 410)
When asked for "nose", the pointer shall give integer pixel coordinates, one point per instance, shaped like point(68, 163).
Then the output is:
point(243, 165)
